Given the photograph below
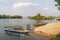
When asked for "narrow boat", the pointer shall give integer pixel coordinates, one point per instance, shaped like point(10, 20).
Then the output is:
point(16, 30)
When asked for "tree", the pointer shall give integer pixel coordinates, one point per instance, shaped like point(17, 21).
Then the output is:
point(38, 16)
point(8, 16)
point(58, 4)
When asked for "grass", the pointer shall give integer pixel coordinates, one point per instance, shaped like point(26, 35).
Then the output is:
point(56, 38)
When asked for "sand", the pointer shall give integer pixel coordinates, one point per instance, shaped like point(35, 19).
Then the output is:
point(49, 30)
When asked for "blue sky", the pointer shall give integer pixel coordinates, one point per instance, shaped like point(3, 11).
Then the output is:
point(28, 7)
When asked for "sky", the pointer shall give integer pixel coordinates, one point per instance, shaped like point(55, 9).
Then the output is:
point(28, 7)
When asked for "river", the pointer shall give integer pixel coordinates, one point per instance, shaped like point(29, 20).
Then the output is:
point(13, 22)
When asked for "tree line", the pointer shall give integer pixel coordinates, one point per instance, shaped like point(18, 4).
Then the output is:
point(8, 16)
point(40, 17)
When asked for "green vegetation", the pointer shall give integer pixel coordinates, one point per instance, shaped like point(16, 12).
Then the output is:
point(58, 4)
point(8, 16)
point(39, 17)
point(58, 18)
point(47, 18)
point(56, 38)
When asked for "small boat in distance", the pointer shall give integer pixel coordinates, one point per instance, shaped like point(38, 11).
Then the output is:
point(16, 30)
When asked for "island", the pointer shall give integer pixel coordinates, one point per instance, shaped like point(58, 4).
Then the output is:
point(38, 16)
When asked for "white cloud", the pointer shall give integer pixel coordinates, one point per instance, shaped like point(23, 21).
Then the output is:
point(48, 0)
point(17, 5)
point(45, 8)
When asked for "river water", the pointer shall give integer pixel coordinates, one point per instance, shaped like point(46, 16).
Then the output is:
point(12, 22)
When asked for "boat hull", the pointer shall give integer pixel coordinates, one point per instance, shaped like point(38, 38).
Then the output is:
point(17, 32)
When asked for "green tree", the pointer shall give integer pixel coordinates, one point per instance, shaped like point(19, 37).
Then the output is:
point(8, 16)
point(38, 16)
point(58, 4)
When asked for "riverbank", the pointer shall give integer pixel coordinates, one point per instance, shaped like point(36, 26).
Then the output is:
point(50, 30)
point(22, 22)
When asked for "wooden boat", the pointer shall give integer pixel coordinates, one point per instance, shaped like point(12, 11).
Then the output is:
point(17, 30)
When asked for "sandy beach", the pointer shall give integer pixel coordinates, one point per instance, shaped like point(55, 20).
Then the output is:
point(49, 30)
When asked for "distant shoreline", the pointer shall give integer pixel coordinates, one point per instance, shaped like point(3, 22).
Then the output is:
point(10, 18)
